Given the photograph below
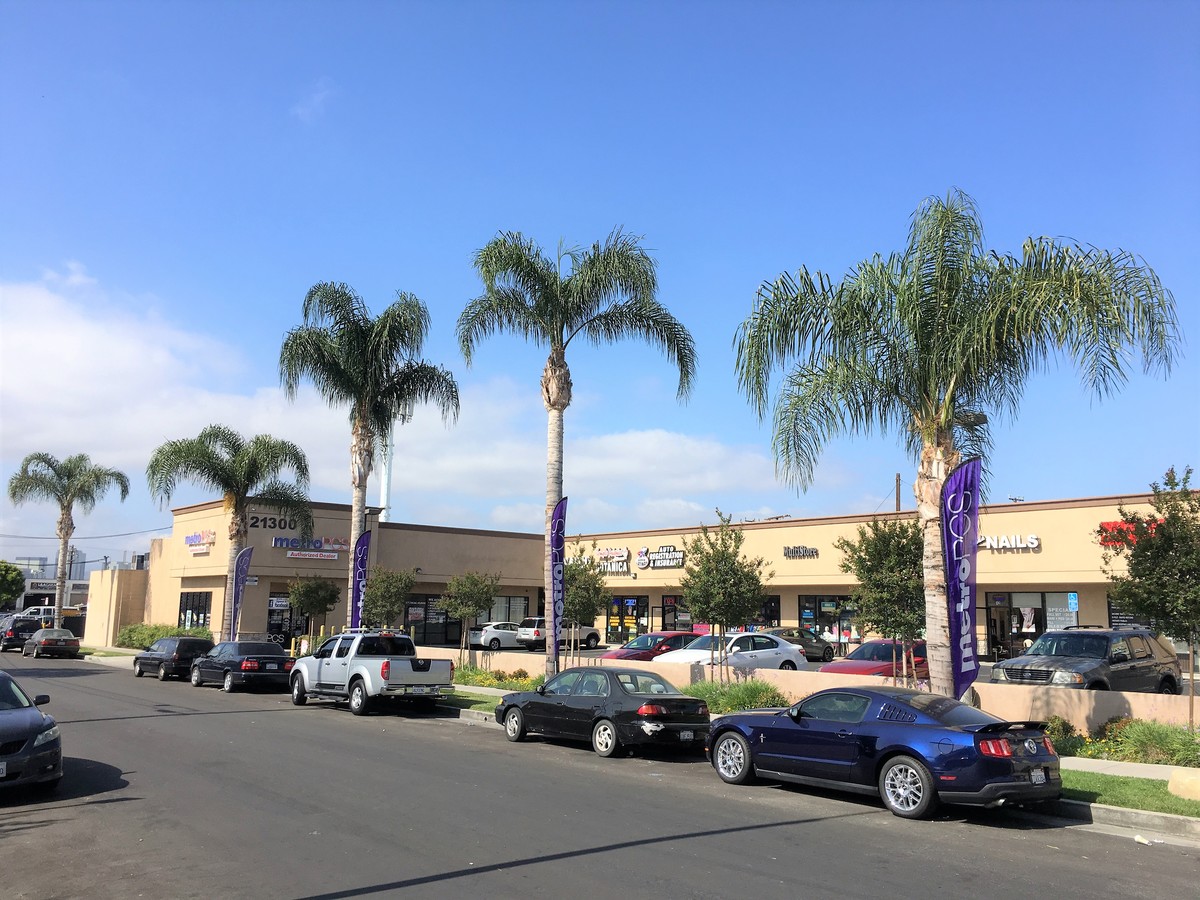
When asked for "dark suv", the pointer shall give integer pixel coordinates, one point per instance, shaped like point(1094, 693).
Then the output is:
point(170, 656)
point(16, 630)
point(1127, 658)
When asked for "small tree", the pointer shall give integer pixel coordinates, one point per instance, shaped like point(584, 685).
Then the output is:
point(1162, 564)
point(886, 559)
point(720, 584)
point(12, 584)
point(467, 596)
point(585, 594)
point(313, 597)
point(385, 595)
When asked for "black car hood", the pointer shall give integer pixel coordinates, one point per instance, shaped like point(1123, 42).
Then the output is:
point(21, 723)
point(1062, 663)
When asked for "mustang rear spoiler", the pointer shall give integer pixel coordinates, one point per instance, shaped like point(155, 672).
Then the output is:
point(1009, 726)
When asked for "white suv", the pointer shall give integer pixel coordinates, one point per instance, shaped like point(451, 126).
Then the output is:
point(531, 634)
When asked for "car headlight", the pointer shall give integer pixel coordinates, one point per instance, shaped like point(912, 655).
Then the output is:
point(999, 674)
point(1066, 678)
point(50, 734)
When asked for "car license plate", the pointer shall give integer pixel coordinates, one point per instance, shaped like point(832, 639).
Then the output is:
point(3, 767)
point(686, 735)
point(1038, 776)
point(272, 666)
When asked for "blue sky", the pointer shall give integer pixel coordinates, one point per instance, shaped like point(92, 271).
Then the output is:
point(175, 176)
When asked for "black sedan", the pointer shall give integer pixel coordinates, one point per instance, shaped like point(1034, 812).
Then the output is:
point(611, 707)
point(30, 744)
point(52, 642)
point(911, 747)
point(234, 664)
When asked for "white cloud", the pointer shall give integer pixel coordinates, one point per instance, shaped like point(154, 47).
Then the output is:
point(313, 105)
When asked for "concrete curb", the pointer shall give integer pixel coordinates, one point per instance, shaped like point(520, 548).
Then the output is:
point(1135, 819)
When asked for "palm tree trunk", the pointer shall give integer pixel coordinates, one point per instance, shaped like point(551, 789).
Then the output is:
point(937, 459)
point(237, 539)
point(66, 528)
point(554, 468)
point(361, 453)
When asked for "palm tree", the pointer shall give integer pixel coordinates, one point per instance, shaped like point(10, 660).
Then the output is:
point(930, 342)
point(242, 471)
point(66, 482)
point(607, 294)
point(370, 364)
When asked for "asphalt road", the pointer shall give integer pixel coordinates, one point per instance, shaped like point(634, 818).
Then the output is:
point(179, 792)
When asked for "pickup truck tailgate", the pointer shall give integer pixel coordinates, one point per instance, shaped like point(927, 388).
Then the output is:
point(411, 675)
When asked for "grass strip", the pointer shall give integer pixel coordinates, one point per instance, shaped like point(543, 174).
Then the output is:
point(464, 700)
point(1130, 793)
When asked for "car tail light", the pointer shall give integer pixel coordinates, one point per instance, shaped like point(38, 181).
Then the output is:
point(287, 665)
point(249, 665)
point(703, 709)
point(995, 747)
point(9, 633)
point(537, 633)
point(1049, 745)
point(652, 709)
point(385, 671)
point(451, 670)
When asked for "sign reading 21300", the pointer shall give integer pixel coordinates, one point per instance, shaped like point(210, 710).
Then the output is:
point(279, 523)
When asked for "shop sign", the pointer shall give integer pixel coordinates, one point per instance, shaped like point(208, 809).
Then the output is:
point(829, 606)
point(200, 541)
point(278, 603)
point(321, 543)
point(800, 552)
point(665, 557)
point(1009, 542)
point(42, 586)
point(613, 560)
point(310, 554)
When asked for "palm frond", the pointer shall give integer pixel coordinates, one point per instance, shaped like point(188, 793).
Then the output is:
point(650, 320)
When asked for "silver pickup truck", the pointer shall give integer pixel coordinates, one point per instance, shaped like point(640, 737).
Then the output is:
point(362, 666)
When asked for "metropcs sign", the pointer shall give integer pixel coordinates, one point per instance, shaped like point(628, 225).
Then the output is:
point(200, 541)
point(317, 544)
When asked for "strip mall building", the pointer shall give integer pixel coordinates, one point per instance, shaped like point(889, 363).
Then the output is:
point(1039, 566)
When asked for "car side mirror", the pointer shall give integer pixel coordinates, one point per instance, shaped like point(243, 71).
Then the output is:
point(145, 648)
point(541, 689)
point(1120, 657)
point(41, 699)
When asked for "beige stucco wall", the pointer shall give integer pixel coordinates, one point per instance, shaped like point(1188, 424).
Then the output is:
point(117, 597)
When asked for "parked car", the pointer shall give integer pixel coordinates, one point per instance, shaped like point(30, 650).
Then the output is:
point(815, 646)
point(1128, 658)
point(912, 748)
point(613, 708)
point(242, 664)
point(652, 645)
point(30, 742)
point(876, 658)
point(744, 650)
point(52, 642)
point(495, 636)
point(170, 656)
point(15, 631)
point(531, 634)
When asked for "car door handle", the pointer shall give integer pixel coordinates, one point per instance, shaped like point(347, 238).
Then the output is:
point(845, 734)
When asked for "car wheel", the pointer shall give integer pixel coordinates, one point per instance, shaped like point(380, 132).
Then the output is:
point(604, 739)
point(137, 670)
point(731, 758)
point(1167, 687)
point(593, 641)
point(827, 654)
point(299, 695)
point(227, 684)
point(162, 671)
point(196, 679)
point(360, 703)
point(788, 665)
point(514, 724)
point(906, 787)
point(23, 653)
point(36, 653)
point(494, 644)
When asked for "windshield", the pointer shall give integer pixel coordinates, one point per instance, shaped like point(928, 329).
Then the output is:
point(12, 697)
point(1089, 646)
point(642, 642)
point(56, 633)
point(877, 652)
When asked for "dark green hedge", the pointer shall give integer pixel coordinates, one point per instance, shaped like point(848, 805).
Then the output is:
point(139, 636)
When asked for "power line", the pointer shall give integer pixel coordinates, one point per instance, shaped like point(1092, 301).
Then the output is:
point(76, 537)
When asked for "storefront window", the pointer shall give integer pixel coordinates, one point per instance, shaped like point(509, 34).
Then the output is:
point(627, 618)
point(507, 609)
point(195, 609)
point(283, 623)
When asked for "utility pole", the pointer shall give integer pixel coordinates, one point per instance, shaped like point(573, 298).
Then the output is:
point(897, 492)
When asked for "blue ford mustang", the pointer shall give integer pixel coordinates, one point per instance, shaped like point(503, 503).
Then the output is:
point(911, 747)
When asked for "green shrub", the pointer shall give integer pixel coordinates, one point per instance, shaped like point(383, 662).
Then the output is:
point(731, 697)
point(139, 636)
point(514, 681)
point(1066, 739)
point(1152, 742)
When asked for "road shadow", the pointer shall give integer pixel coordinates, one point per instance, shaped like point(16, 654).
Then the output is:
point(83, 781)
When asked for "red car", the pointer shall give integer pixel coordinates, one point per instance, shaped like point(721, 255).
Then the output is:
point(875, 658)
point(652, 645)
